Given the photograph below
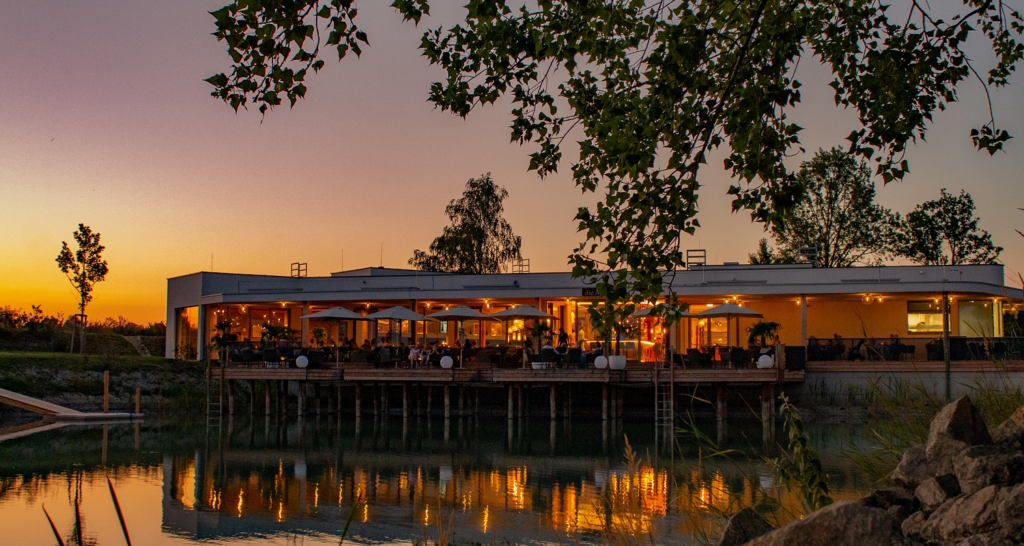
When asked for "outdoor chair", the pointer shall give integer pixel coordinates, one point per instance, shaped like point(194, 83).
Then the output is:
point(693, 358)
point(573, 356)
point(855, 353)
point(550, 357)
point(739, 357)
point(999, 350)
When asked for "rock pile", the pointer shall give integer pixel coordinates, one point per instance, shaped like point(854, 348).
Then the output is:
point(965, 487)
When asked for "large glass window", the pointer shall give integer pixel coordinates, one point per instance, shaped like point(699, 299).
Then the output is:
point(924, 317)
point(186, 330)
point(978, 319)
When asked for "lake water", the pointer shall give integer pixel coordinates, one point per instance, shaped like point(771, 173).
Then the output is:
point(288, 482)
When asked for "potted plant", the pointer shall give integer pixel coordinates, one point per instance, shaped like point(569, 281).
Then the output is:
point(319, 336)
point(764, 333)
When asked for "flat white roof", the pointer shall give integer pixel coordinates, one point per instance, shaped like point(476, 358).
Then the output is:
point(381, 284)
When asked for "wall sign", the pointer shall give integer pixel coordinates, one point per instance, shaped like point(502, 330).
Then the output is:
point(592, 292)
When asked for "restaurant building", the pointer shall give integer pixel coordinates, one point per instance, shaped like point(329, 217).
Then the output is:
point(869, 303)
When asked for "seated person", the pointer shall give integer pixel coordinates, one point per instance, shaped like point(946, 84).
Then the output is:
point(547, 344)
point(563, 347)
point(366, 345)
point(414, 355)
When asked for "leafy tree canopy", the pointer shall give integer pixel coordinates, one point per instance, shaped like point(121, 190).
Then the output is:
point(652, 88)
point(766, 255)
point(479, 239)
point(837, 215)
point(86, 266)
point(945, 231)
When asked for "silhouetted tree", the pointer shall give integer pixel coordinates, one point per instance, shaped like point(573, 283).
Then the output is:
point(945, 231)
point(84, 268)
point(766, 255)
point(479, 239)
point(837, 214)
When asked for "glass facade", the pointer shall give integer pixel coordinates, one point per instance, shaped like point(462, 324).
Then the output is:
point(186, 328)
point(924, 317)
point(980, 318)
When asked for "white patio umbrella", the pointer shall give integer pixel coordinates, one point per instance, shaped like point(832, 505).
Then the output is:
point(459, 313)
point(397, 313)
point(521, 312)
point(336, 313)
point(728, 311)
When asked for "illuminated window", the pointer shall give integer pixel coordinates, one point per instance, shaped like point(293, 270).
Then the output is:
point(979, 318)
point(924, 317)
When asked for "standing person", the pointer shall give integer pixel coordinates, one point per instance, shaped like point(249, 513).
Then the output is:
point(563, 338)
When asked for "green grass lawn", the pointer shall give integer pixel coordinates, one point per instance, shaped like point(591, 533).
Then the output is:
point(50, 374)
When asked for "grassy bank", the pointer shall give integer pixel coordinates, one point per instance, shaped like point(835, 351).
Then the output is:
point(76, 381)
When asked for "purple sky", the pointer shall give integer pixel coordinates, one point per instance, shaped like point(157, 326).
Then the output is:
point(106, 120)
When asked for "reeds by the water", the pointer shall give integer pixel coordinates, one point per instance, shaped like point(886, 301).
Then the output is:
point(902, 412)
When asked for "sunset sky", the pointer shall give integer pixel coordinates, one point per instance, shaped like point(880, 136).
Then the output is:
point(105, 120)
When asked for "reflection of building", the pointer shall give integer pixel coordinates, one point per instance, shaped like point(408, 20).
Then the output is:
point(855, 302)
point(490, 498)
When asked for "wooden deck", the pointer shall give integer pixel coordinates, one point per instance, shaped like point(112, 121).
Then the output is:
point(500, 376)
point(53, 412)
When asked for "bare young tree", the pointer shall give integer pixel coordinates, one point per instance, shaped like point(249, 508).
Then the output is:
point(84, 268)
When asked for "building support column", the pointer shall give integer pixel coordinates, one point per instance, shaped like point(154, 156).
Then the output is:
point(231, 396)
point(803, 320)
point(945, 344)
point(462, 399)
point(430, 399)
point(304, 324)
point(302, 398)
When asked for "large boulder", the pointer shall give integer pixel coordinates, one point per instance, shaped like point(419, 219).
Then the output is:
point(981, 466)
point(840, 524)
point(956, 427)
point(743, 527)
point(933, 492)
point(913, 468)
point(959, 518)
point(987, 540)
point(1011, 514)
point(1011, 432)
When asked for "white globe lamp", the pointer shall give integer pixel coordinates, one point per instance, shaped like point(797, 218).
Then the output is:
point(601, 362)
point(446, 362)
point(301, 362)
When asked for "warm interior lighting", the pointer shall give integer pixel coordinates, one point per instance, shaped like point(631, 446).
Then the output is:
point(709, 305)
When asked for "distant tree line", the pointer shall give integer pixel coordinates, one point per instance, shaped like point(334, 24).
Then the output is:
point(37, 330)
point(838, 217)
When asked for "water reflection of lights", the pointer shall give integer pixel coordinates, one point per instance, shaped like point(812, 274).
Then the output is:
point(487, 516)
point(241, 495)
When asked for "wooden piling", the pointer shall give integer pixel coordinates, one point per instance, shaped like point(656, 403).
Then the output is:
point(106, 394)
point(359, 401)
point(511, 408)
point(554, 403)
point(447, 403)
point(405, 401)
point(138, 402)
point(302, 399)
point(604, 402)
point(231, 397)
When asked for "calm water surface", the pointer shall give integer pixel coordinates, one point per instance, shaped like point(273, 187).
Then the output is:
point(289, 482)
